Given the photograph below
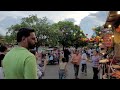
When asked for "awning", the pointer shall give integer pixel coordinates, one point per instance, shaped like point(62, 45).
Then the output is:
point(112, 17)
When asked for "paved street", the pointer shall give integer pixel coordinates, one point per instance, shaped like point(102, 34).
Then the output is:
point(52, 72)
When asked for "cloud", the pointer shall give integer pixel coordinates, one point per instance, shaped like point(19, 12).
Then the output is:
point(53, 15)
point(8, 18)
point(92, 20)
point(70, 19)
point(2, 31)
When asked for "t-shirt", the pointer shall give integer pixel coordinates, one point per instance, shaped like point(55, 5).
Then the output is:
point(83, 58)
point(95, 61)
point(19, 63)
point(76, 58)
point(1, 58)
point(62, 65)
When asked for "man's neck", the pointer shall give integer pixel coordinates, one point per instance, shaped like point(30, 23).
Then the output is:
point(22, 45)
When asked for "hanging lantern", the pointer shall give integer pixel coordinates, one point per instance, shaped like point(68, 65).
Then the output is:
point(91, 39)
point(96, 40)
point(97, 37)
point(101, 40)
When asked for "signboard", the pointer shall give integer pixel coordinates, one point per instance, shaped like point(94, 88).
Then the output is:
point(108, 40)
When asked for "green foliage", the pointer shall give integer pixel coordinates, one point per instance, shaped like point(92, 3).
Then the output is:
point(63, 32)
point(70, 34)
point(97, 30)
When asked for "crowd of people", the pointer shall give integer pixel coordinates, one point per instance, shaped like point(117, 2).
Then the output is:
point(24, 62)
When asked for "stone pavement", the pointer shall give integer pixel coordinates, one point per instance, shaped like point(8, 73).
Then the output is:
point(52, 72)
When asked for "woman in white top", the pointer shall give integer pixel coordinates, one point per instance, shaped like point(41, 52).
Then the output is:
point(62, 69)
point(84, 63)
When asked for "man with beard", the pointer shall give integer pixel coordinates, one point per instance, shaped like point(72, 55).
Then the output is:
point(19, 63)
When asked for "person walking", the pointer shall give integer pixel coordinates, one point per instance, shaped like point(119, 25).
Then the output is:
point(62, 69)
point(95, 64)
point(76, 58)
point(84, 63)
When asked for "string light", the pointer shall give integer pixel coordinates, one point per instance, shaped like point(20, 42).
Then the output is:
point(118, 12)
point(109, 26)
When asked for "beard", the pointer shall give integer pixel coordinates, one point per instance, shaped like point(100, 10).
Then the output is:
point(31, 46)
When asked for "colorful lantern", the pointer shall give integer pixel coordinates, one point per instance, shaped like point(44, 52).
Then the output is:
point(97, 37)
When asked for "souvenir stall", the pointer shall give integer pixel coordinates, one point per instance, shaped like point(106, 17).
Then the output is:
point(105, 49)
point(113, 67)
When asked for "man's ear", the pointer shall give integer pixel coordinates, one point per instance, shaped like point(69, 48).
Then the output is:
point(23, 38)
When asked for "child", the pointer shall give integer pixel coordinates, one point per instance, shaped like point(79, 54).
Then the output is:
point(62, 69)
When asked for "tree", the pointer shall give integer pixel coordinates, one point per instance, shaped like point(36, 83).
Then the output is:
point(69, 34)
point(97, 30)
point(40, 25)
point(1, 39)
point(63, 32)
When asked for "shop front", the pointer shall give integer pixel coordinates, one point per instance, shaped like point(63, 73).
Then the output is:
point(113, 23)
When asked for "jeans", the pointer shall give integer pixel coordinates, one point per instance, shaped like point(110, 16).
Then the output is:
point(84, 68)
point(95, 71)
point(76, 69)
point(62, 74)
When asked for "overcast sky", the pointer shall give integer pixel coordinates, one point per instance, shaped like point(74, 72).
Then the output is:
point(52, 15)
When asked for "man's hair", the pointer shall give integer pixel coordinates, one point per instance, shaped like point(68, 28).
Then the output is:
point(24, 32)
point(3, 48)
point(63, 60)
